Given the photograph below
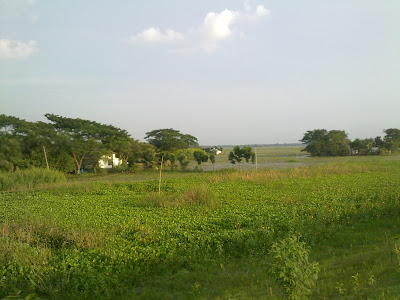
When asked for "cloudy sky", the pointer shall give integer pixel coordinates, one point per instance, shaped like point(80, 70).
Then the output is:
point(227, 72)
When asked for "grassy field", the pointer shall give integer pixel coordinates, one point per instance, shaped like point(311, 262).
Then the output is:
point(210, 235)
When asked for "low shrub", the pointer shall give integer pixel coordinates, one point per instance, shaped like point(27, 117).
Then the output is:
point(292, 268)
point(198, 195)
point(6, 166)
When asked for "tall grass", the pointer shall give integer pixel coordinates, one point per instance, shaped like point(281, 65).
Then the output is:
point(197, 195)
point(30, 178)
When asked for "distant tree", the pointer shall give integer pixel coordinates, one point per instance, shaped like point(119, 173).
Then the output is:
point(338, 143)
point(320, 142)
point(378, 142)
point(315, 141)
point(166, 156)
point(142, 153)
point(237, 155)
point(200, 156)
point(148, 157)
point(392, 139)
point(170, 140)
point(22, 143)
point(212, 159)
point(183, 157)
point(122, 146)
point(362, 146)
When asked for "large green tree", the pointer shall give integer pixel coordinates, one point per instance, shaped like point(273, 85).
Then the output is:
point(23, 143)
point(320, 142)
point(392, 139)
point(86, 139)
point(170, 139)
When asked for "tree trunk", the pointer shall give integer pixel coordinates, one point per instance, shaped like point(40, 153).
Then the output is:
point(78, 163)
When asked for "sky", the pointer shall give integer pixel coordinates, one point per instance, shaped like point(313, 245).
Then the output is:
point(227, 72)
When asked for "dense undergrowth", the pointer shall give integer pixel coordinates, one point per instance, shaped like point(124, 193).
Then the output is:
point(30, 178)
point(119, 239)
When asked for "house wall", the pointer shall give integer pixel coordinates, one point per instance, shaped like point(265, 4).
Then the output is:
point(104, 162)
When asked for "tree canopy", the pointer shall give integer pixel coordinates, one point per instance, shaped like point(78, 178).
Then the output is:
point(200, 156)
point(392, 139)
point(237, 155)
point(170, 139)
point(320, 142)
point(81, 138)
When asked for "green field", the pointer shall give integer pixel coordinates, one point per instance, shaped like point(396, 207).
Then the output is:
point(208, 235)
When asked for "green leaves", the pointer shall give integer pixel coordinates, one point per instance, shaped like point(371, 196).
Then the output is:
point(320, 142)
point(83, 138)
point(292, 268)
point(200, 156)
point(170, 139)
point(237, 155)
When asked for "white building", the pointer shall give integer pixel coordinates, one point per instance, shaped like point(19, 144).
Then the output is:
point(109, 161)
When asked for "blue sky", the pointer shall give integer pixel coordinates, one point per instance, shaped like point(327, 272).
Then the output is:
point(227, 72)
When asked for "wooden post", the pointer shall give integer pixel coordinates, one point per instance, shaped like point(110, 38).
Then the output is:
point(45, 157)
point(159, 182)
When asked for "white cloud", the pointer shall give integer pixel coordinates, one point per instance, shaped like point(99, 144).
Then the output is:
point(261, 11)
point(218, 25)
point(14, 49)
point(155, 35)
point(207, 36)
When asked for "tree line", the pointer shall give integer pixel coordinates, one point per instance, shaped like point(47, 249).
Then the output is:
point(321, 142)
point(73, 144)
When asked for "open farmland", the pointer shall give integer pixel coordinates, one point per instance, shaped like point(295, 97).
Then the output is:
point(208, 235)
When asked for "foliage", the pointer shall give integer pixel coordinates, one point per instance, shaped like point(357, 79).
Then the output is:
point(200, 156)
point(101, 237)
point(198, 195)
point(88, 139)
point(183, 157)
point(30, 178)
point(167, 156)
point(397, 251)
point(212, 158)
point(6, 166)
point(320, 142)
point(237, 155)
point(392, 139)
point(292, 267)
point(362, 146)
point(144, 154)
point(170, 139)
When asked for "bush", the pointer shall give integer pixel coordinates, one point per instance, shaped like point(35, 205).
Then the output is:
point(198, 195)
point(292, 269)
point(6, 166)
point(30, 178)
point(397, 250)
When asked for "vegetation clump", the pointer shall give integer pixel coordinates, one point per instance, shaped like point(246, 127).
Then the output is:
point(292, 268)
point(31, 178)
